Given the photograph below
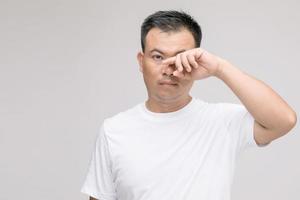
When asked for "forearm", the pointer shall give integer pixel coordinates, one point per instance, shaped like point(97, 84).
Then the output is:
point(265, 105)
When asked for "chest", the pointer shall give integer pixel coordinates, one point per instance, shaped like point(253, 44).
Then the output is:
point(170, 158)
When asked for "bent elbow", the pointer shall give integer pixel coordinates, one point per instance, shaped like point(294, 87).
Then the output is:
point(292, 120)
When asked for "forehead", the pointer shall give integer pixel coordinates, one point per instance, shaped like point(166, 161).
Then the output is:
point(169, 42)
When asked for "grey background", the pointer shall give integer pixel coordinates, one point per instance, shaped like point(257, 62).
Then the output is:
point(66, 65)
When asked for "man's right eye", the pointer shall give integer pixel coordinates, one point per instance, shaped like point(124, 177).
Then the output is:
point(157, 57)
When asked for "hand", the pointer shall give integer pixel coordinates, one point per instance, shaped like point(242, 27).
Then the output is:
point(194, 64)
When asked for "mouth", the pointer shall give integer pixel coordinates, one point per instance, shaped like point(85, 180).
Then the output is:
point(168, 83)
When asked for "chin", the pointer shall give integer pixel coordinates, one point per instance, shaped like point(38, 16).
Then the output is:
point(168, 96)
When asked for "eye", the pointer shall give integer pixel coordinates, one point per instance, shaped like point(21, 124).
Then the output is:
point(157, 57)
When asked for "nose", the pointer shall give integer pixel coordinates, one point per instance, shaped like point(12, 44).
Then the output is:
point(168, 70)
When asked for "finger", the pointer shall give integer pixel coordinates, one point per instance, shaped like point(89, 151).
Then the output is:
point(178, 74)
point(199, 53)
point(185, 62)
point(178, 63)
point(169, 61)
point(202, 73)
point(191, 59)
point(165, 66)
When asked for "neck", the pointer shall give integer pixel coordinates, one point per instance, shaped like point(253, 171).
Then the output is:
point(167, 106)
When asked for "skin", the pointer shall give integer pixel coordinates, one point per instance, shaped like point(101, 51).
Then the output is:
point(273, 116)
point(163, 97)
point(180, 62)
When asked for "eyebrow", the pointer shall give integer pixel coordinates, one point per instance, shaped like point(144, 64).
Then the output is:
point(160, 51)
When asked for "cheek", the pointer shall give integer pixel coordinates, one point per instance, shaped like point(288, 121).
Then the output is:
point(151, 70)
point(187, 84)
point(151, 77)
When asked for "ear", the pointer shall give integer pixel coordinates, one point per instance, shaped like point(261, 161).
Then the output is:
point(140, 57)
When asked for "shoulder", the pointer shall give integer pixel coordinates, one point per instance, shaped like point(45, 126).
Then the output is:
point(223, 111)
point(122, 119)
point(226, 107)
point(220, 107)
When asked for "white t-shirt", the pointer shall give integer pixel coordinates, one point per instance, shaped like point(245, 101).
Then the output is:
point(188, 154)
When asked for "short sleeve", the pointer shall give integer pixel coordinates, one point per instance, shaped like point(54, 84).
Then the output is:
point(99, 180)
point(240, 125)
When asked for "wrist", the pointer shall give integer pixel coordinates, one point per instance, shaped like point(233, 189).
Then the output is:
point(222, 63)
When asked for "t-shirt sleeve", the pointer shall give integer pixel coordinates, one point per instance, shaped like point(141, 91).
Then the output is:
point(99, 180)
point(240, 125)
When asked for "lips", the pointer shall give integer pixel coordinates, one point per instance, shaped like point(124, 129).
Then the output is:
point(167, 83)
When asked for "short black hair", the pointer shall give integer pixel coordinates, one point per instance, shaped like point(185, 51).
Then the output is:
point(171, 20)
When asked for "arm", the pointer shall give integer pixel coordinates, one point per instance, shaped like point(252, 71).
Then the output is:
point(273, 116)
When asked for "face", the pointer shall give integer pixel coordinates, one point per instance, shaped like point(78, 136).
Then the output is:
point(159, 46)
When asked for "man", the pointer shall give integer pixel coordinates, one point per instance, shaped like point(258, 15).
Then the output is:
point(174, 146)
